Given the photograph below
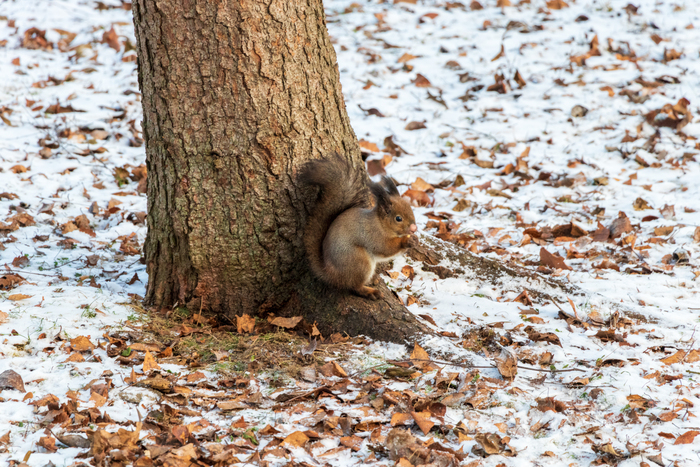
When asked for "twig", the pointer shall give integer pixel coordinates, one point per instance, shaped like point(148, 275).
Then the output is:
point(29, 272)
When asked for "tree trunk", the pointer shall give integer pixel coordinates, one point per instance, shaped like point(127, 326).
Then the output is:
point(237, 95)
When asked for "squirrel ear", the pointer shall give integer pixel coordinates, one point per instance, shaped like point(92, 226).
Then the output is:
point(389, 186)
point(381, 195)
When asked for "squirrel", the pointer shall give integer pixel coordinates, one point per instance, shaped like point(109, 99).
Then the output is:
point(345, 236)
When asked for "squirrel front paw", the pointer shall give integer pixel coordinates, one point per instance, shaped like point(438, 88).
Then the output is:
point(412, 241)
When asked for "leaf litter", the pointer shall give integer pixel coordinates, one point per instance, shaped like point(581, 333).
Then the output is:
point(557, 136)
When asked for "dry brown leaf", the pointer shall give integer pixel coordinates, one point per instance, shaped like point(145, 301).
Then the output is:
point(332, 369)
point(422, 185)
point(507, 363)
point(245, 324)
point(9, 281)
point(418, 198)
point(81, 344)
point(408, 271)
point(10, 379)
point(421, 82)
point(48, 443)
point(399, 418)
point(492, 443)
point(338, 370)
point(664, 230)
point(406, 58)
point(415, 126)
point(500, 54)
point(98, 399)
point(149, 363)
point(287, 323)
point(423, 421)
point(297, 439)
point(141, 347)
point(18, 296)
point(641, 204)
point(682, 356)
point(369, 146)
point(111, 39)
point(638, 402)
point(75, 357)
point(553, 261)
point(687, 438)
point(557, 4)
point(353, 442)
point(420, 358)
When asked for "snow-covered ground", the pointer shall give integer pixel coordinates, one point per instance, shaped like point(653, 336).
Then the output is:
point(511, 120)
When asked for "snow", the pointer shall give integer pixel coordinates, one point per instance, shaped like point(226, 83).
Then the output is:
point(370, 38)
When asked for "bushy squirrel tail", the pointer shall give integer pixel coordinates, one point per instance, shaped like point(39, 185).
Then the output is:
point(342, 188)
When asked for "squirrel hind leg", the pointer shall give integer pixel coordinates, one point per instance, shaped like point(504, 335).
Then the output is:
point(368, 292)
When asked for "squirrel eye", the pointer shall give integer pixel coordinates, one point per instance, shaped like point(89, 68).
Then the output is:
point(399, 218)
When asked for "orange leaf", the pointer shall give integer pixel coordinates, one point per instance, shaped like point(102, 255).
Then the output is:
point(149, 363)
point(18, 296)
point(423, 421)
point(297, 439)
point(406, 57)
point(400, 418)
point(111, 39)
point(245, 324)
point(552, 261)
point(81, 344)
point(98, 399)
point(287, 323)
point(369, 146)
point(687, 437)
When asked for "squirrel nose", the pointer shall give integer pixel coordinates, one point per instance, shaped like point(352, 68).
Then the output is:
point(413, 227)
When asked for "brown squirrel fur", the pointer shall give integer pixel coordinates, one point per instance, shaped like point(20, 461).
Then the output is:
point(345, 236)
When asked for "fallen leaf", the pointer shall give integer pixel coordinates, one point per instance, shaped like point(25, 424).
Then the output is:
point(687, 438)
point(297, 439)
point(10, 379)
point(422, 185)
point(149, 363)
point(111, 39)
point(81, 344)
point(423, 421)
point(48, 443)
point(287, 323)
point(420, 358)
point(557, 4)
point(245, 324)
point(553, 261)
point(369, 146)
point(507, 363)
point(415, 126)
point(399, 418)
point(640, 204)
point(18, 296)
point(421, 82)
point(417, 197)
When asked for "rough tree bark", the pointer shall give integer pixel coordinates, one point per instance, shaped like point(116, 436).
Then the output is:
point(237, 95)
